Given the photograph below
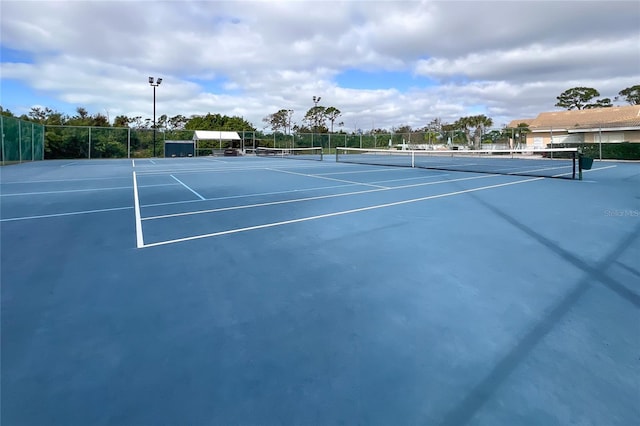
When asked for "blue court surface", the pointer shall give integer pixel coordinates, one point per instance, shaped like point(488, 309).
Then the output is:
point(269, 291)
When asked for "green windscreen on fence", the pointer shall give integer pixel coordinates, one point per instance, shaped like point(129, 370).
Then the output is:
point(21, 140)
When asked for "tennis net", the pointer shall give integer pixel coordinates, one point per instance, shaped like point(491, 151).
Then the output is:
point(557, 163)
point(314, 153)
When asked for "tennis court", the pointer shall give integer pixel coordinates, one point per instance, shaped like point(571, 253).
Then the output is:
point(268, 290)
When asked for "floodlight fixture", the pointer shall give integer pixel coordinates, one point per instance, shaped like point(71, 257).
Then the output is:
point(154, 85)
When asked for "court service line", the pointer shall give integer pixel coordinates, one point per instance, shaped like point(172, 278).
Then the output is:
point(328, 178)
point(206, 169)
point(299, 200)
point(340, 213)
point(597, 169)
point(320, 188)
point(136, 205)
point(215, 160)
point(185, 185)
point(590, 170)
point(46, 216)
point(387, 169)
point(25, 182)
point(69, 164)
point(231, 197)
point(438, 175)
point(64, 191)
point(133, 163)
point(69, 191)
point(269, 203)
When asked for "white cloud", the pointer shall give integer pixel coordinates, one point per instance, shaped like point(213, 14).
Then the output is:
point(509, 59)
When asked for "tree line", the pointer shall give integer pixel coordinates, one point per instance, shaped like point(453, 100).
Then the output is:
point(49, 117)
point(318, 119)
point(68, 136)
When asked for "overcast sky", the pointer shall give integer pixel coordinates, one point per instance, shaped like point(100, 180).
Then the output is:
point(382, 64)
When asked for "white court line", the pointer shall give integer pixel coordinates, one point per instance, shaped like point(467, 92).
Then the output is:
point(45, 216)
point(68, 164)
point(328, 178)
point(69, 191)
point(133, 163)
point(136, 205)
point(65, 191)
point(257, 167)
point(62, 180)
point(387, 169)
point(256, 194)
point(299, 200)
point(269, 203)
point(599, 168)
point(439, 175)
point(183, 184)
point(340, 213)
point(584, 171)
point(152, 162)
point(261, 194)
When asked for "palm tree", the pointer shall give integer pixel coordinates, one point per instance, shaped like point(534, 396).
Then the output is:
point(474, 127)
point(521, 131)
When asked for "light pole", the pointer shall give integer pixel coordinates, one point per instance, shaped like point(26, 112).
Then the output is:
point(289, 115)
point(316, 100)
point(154, 85)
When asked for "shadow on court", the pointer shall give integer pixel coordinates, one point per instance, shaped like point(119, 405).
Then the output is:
point(596, 274)
point(275, 291)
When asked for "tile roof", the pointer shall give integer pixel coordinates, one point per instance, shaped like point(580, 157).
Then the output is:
point(514, 123)
point(618, 116)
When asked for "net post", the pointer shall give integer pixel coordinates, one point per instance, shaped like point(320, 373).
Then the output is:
point(413, 159)
point(579, 155)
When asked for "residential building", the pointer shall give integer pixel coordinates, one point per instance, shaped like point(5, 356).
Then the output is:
point(598, 125)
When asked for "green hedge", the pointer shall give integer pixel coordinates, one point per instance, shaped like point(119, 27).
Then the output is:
point(610, 151)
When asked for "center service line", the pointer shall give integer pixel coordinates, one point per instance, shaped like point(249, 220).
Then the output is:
point(183, 184)
point(340, 213)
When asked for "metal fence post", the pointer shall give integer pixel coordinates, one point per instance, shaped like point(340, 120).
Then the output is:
point(2, 129)
point(20, 141)
point(600, 141)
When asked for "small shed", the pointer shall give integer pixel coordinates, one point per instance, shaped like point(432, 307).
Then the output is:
point(179, 149)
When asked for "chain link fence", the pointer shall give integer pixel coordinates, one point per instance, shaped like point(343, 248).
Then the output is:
point(24, 141)
point(21, 140)
point(75, 142)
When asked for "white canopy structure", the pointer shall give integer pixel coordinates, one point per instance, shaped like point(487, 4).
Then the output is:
point(206, 140)
point(215, 135)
